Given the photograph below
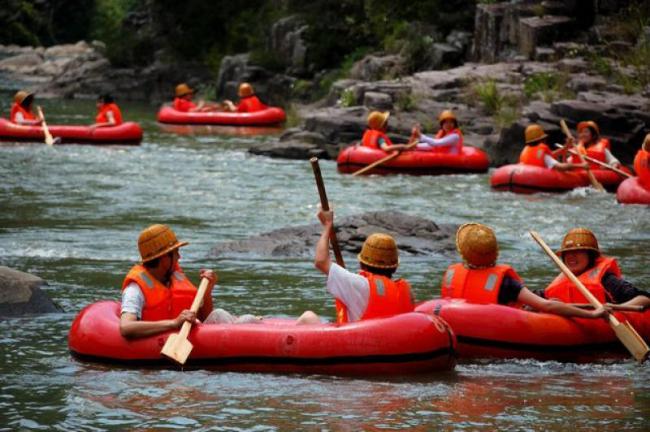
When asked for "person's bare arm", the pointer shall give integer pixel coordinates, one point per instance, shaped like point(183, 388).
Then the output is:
point(130, 327)
point(322, 259)
point(558, 308)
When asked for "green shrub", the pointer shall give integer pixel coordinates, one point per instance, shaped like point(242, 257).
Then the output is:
point(488, 95)
point(293, 118)
point(548, 86)
point(348, 98)
point(406, 102)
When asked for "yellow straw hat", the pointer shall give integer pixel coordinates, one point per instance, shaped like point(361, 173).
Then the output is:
point(534, 133)
point(157, 240)
point(183, 89)
point(579, 239)
point(477, 244)
point(379, 251)
point(245, 90)
point(377, 120)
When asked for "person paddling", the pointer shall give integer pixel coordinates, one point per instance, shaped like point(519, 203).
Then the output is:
point(375, 136)
point(184, 95)
point(449, 138)
point(156, 294)
point(591, 144)
point(373, 293)
point(479, 279)
point(599, 273)
point(248, 101)
point(21, 110)
point(537, 153)
point(108, 113)
point(642, 163)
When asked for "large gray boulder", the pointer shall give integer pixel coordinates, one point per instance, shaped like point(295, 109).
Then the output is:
point(21, 294)
point(415, 236)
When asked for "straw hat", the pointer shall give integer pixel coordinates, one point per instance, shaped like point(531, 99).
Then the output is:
point(589, 124)
point(183, 89)
point(477, 244)
point(534, 133)
point(377, 120)
point(447, 115)
point(156, 241)
point(579, 239)
point(646, 143)
point(21, 95)
point(245, 90)
point(379, 251)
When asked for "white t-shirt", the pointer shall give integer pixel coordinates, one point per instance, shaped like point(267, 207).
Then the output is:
point(133, 300)
point(550, 161)
point(350, 288)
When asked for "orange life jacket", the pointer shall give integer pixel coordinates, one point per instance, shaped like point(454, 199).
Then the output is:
point(183, 105)
point(103, 111)
point(387, 298)
point(480, 286)
point(564, 290)
point(371, 138)
point(250, 104)
point(534, 155)
point(162, 302)
point(596, 151)
point(18, 108)
point(459, 145)
point(642, 167)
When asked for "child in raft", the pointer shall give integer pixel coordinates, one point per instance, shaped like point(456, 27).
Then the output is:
point(375, 136)
point(479, 279)
point(449, 138)
point(600, 274)
point(373, 293)
point(183, 101)
point(248, 102)
point(537, 153)
point(108, 113)
point(21, 110)
point(591, 144)
point(642, 163)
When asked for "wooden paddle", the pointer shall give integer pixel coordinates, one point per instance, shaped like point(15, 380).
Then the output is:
point(390, 157)
point(48, 136)
point(177, 347)
point(624, 331)
point(599, 163)
point(592, 179)
point(324, 203)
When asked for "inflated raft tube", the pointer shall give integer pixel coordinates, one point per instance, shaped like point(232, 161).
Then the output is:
point(520, 178)
point(631, 191)
point(126, 133)
point(496, 331)
point(271, 115)
point(403, 344)
point(471, 160)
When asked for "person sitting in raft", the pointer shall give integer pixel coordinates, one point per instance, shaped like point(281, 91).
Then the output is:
point(600, 274)
point(449, 138)
point(21, 110)
point(108, 113)
point(156, 294)
point(183, 101)
point(375, 136)
point(537, 153)
point(479, 279)
point(248, 102)
point(591, 144)
point(642, 163)
point(373, 293)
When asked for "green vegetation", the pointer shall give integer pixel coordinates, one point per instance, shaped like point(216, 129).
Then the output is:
point(406, 102)
point(293, 118)
point(505, 109)
point(548, 86)
point(347, 98)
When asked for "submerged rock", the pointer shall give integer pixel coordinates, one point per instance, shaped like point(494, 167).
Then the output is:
point(20, 294)
point(414, 235)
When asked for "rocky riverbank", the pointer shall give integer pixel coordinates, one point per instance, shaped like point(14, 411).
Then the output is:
point(415, 236)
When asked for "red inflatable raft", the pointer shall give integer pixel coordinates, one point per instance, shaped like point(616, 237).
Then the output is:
point(471, 160)
point(271, 115)
point(496, 331)
point(632, 192)
point(403, 344)
point(126, 133)
point(520, 178)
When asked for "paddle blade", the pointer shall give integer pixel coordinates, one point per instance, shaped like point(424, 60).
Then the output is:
point(177, 348)
point(632, 341)
point(49, 140)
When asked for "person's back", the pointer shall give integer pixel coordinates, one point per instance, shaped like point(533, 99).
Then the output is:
point(642, 163)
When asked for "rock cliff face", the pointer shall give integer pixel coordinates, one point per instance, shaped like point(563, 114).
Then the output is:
point(20, 294)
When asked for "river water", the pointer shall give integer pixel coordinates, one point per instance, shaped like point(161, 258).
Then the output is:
point(72, 214)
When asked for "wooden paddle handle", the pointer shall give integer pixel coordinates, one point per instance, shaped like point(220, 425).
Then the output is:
point(324, 203)
point(196, 304)
point(628, 308)
point(388, 158)
point(592, 179)
point(599, 163)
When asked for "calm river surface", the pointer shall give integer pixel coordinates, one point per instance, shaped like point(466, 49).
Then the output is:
point(72, 214)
